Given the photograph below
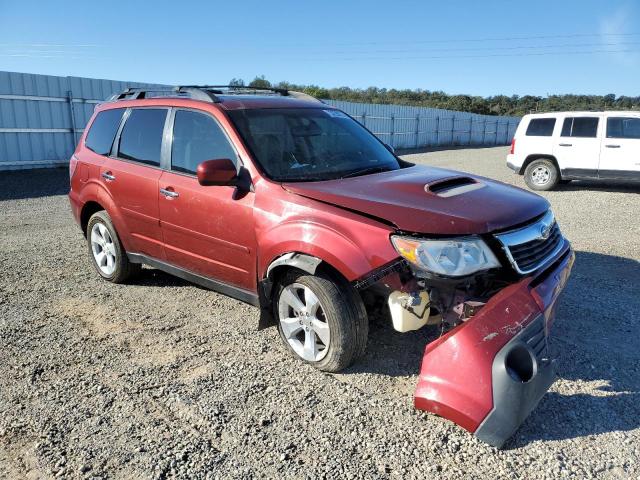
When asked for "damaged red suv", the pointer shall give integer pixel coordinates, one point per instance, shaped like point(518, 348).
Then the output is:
point(286, 203)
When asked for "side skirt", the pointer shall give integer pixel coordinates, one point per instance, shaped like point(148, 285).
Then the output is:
point(221, 287)
point(592, 174)
point(579, 174)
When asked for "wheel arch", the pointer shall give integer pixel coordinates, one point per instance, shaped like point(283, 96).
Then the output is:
point(279, 267)
point(535, 156)
point(99, 198)
point(300, 261)
point(88, 209)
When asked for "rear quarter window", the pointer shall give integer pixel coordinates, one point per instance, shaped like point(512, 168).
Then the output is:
point(103, 131)
point(541, 127)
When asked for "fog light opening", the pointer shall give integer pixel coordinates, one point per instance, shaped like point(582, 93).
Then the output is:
point(519, 364)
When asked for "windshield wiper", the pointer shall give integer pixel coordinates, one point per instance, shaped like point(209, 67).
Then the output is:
point(366, 171)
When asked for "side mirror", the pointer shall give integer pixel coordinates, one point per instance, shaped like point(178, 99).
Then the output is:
point(390, 148)
point(219, 172)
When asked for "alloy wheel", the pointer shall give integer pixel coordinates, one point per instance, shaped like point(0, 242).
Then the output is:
point(303, 322)
point(103, 249)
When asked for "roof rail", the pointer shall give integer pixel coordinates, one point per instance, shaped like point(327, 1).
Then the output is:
point(138, 93)
point(206, 93)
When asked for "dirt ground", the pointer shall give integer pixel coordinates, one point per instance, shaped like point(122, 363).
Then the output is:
point(161, 379)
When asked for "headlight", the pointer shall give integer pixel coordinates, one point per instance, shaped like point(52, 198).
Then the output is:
point(454, 257)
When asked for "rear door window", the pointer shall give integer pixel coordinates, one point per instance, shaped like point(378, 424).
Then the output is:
point(141, 137)
point(585, 127)
point(197, 137)
point(541, 127)
point(103, 131)
point(623, 127)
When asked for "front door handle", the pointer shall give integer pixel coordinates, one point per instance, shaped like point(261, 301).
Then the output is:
point(565, 144)
point(108, 176)
point(612, 146)
point(169, 193)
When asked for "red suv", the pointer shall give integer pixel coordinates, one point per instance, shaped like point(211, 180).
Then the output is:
point(289, 204)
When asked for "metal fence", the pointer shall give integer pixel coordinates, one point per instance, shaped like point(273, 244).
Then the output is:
point(416, 127)
point(42, 117)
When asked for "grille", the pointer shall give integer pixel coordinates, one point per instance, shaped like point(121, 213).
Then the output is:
point(531, 247)
point(530, 254)
point(538, 340)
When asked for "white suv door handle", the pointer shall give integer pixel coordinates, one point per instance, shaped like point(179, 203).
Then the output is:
point(612, 146)
point(169, 193)
point(565, 144)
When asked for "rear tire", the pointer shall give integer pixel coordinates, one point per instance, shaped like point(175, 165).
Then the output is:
point(106, 253)
point(321, 319)
point(542, 175)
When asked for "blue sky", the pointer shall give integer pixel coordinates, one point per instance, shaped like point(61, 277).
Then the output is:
point(478, 48)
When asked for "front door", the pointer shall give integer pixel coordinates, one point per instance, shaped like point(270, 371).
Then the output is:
point(577, 149)
point(620, 154)
point(206, 230)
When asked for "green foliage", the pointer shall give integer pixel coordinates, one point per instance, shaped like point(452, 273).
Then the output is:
point(260, 82)
point(514, 105)
point(236, 82)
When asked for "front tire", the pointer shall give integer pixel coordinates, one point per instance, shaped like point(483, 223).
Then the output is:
point(106, 253)
point(542, 175)
point(321, 319)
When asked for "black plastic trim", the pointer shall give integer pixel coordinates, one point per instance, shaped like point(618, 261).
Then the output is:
point(579, 173)
point(621, 175)
point(513, 401)
point(221, 287)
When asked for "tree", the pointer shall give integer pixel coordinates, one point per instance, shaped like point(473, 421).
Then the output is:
point(260, 82)
point(495, 105)
point(236, 82)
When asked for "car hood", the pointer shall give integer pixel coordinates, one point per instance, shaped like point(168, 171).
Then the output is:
point(429, 200)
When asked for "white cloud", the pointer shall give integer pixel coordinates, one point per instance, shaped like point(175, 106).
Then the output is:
point(613, 28)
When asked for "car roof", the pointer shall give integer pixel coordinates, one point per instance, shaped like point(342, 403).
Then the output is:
point(222, 101)
point(582, 113)
point(239, 102)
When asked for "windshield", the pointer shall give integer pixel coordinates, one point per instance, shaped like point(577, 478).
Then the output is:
point(307, 144)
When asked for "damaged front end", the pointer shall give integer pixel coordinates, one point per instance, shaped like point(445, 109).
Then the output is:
point(493, 306)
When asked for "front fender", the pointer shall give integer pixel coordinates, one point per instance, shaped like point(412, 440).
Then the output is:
point(349, 255)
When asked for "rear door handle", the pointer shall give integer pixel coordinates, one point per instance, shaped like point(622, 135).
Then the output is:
point(108, 176)
point(565, 144)
point(612, 146)
point(169, 193)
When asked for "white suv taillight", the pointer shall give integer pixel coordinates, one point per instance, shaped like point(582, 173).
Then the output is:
point(513, 146)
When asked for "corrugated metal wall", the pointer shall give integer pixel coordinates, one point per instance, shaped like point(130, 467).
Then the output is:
point(42, 117)
point(414, 127)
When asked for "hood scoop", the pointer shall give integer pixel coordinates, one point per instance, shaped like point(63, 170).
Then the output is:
point(452, 186)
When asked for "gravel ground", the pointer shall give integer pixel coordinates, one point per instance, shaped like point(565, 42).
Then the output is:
point(160, 378)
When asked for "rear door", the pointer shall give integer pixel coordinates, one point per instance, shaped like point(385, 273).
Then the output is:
point(131, 175)
point(620, 154)
point(206, 230)
point(577, 148)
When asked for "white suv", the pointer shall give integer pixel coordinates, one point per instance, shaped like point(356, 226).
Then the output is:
point(552, 148)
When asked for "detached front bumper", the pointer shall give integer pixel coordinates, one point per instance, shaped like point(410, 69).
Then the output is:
point(490, 372)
